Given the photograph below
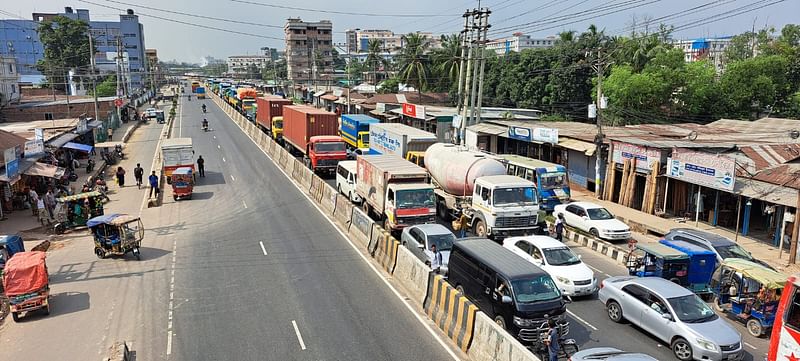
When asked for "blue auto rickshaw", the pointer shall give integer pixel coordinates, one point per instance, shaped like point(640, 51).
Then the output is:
point(749, 292)
point(9, 246)
point(702, 264)
point(658, 260)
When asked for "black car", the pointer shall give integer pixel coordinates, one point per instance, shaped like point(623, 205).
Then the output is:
point(723, 247)
point(519, 296)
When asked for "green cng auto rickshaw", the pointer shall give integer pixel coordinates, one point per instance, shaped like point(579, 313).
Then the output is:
point(73, 211)
point(658, 260)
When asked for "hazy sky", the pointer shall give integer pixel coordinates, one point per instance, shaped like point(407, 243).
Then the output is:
point(169, 33)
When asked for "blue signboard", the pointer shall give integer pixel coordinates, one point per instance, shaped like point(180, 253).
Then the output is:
point(520, 133)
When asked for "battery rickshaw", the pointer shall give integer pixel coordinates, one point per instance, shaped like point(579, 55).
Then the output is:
point(116, 234)
point(658, 260)
point(182, 183)
point(73, 211)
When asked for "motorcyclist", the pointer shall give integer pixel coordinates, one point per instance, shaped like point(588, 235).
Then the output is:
point(204, 108)
point(205, 124)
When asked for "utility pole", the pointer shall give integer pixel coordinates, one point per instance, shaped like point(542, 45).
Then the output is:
point(461, 73)
point(482, 40)
point(471, 70)
point(94, 78)
point(599, 64)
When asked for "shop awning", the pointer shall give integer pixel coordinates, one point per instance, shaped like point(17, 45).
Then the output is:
point(330, 97)
point(109, 144)
point(78, 146)
point(578, 145)
point(24, 164)
point(62, 139)
point(319, 93)
point(45, 170)
point(487, 128)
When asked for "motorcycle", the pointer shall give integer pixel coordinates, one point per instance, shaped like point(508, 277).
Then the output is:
point(204, 108)
point(205, 127)
point(118, 152)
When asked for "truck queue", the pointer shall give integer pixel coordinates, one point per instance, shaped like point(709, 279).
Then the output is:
point(404, 179)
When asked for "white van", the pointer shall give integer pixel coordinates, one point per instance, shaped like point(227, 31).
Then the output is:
point(346, 180)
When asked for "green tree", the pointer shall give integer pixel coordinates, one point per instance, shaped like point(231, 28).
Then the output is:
point(446, 62)
point(108, 87)
point(66, 46)
point(413, 62)
point(375, 60)
point(755, 86)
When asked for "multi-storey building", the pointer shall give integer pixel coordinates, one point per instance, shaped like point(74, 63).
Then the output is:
point(711, 49)
point(156, 76)
point(518, 42)
point(21, 41)
point(357, 41)
point(9, 81)
point(309, 48)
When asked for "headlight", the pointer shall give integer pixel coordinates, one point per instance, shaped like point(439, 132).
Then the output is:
point(564, 280)
point(706, 344)
point(533, 221)
point(522, 322)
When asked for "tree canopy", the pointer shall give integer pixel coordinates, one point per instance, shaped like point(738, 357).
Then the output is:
point(66, 47)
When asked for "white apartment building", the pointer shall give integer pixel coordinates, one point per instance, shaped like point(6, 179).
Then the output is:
point(9, 80)
point(357, 40)
point(240, 63)
point(711, 49)
point(518, 42)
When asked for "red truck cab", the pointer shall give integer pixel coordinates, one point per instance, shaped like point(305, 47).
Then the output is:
point(324, 152)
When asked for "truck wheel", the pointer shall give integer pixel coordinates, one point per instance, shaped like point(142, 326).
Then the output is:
point(442, 212)
point(480, 228)
point(15, 316)
point(46, 311)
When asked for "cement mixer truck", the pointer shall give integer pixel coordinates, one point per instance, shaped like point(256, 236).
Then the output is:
point(475, 184)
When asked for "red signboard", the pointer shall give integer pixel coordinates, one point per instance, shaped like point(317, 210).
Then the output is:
point(118, 102)
point(414, 111)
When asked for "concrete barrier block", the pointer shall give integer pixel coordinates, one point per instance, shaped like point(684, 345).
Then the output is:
point(386, 251)
point(490, 343)
point(304, 177)
point(328, 199)
point(296, 171)
point(605, 248)
point(360, 227)
point(412, 274)
point(453, 313)
point(377, 233)
point(343, 211)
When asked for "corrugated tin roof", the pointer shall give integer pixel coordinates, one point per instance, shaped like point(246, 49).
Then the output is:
point(578, 145)
point(787, 175)
point(764, 156)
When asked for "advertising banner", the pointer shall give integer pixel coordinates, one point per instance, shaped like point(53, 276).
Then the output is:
point(545, 135)
point(33, 148)
point(645, 157)
point(708, 170)
point(414, 111)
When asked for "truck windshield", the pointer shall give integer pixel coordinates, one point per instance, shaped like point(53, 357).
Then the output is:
point(514, 195)
point(541, 288)
point(365, 138)
point(329, 147)
point(552, 180)
point(279, 124)
point(417, 198)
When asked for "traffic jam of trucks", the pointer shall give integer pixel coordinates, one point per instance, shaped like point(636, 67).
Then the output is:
point(269, 116)
point(313, 133)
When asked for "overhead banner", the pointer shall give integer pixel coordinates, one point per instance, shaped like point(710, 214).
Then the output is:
point(414, 111)
point(709, 170)
point(520, 133)
point(34, 147)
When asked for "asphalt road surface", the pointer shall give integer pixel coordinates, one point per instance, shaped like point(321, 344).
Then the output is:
point(260, 274)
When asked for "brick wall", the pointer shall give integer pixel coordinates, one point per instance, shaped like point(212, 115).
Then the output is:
point(59, 111)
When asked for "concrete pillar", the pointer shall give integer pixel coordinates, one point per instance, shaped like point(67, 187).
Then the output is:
point(746, 221)
point(796, 229)
point(716, 209)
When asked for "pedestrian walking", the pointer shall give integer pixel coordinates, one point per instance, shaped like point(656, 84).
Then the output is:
point(50, 201)
point(560, 227)
point(120, 177)
point(153, 178)
point(110, 133)
point(138, 173)
point(552, 340)
point(33, 198)
point(201, 166)
point(436, 259)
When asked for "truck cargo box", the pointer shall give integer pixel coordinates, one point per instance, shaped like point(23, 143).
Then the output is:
point(268, 108)
point(301, 122)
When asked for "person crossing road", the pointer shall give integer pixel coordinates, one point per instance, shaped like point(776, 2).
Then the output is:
point(201, 166)
point(138, 173)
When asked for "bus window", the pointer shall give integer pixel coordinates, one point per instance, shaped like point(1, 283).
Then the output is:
point(512, 169)
point(792, 316)
point(529, 175)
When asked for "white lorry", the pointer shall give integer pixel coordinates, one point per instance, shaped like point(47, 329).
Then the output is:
point(475, 184)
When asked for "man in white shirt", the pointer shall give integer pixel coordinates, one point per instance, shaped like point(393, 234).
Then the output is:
point(34, 199)
point(436, 259)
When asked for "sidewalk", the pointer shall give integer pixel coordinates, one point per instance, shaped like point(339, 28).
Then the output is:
point(648, 228)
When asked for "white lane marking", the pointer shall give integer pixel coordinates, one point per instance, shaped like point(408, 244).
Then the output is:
point(180, 122)
point(171, 298)
point(299, 336)
point(218, 147)
point(263, 249)
point(223, 159)
point(169, 342)
point(244, 204)
point(374, 269)
point(597, 269)
point(581, 320)
point(750, 346)
point(233, 178)
point(214, 136)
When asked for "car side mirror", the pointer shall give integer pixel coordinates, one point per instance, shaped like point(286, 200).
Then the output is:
point(506, 299)
point(667, 316)
point(585, 218)
point(580, 256)
point(567, 299)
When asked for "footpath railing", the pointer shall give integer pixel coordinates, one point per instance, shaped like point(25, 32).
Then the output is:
point(470, 330)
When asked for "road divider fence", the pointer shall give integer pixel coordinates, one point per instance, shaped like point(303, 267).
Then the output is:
point(616, 253)
point(360, 227)
point(385, 249)
point(453, 313)
point(490, 343)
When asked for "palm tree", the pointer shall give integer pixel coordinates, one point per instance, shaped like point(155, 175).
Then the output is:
point(566, 36)
point(448, 59)
point(374, 58)
point(413, 61)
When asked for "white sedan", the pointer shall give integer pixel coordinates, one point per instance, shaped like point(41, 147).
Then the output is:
point(595, 219)
point(150, 112)
point(573, 277)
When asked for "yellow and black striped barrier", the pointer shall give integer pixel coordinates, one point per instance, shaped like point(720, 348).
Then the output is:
point(386, 251)
point(450, 311)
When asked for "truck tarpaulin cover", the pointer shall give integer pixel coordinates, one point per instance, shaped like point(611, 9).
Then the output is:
point(246, 93)
point(26, 272)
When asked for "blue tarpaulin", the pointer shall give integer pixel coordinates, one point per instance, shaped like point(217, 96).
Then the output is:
point(78, 146)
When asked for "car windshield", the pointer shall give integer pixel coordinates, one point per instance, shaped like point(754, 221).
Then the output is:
point(553, 180)
point(279, 124)
point(329, 147)
point(691, 309)
point(443, 242)
point(514, 195)
point(733, 251)
point(599, 214)
point(541, 288)
point(417, 198)
point(561, 256)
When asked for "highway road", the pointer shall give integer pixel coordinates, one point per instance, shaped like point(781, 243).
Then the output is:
point(260, 274)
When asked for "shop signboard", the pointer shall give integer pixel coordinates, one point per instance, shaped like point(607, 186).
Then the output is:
point(12, 163)
point(38, 133)
point(545, 135)
point(520, 133)
point(645, 157)
point(708, 170)
point(34, 148)
point(414, 111)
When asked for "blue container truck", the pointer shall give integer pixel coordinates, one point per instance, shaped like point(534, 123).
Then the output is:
point(354, 130)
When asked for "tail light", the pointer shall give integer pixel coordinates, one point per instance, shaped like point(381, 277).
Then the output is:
point(602, 283)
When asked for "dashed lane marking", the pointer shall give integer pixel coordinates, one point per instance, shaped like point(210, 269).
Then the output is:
point(299, 336)
point(233, 178)
point(244, 204)
point(581, 320)
point(263, 249)
point(750, 346)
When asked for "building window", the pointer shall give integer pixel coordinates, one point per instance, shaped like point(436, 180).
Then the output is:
point(48, 116)
point(128, 35)
point(11, 68)
point(13, 88)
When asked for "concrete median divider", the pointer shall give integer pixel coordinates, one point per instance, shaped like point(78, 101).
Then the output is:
point(343, 211)
point(284, 158)
point(450, 311)
point(293, 169)
point(315, 190)
point(360, 227)
point(386, 250)
point(490, 343)
point(304, 177)
point(328, 199)
point(616, 253)
point(377, 232)
point(273, 149)
point(412, 274)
